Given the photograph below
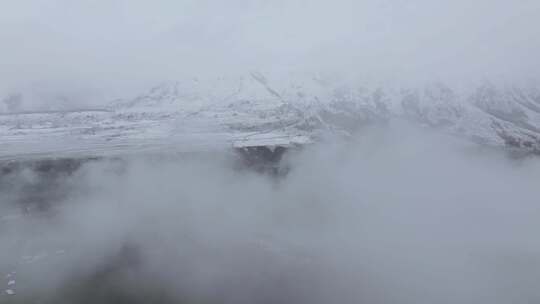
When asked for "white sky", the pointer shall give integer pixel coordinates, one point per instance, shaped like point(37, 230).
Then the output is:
point(102, 44)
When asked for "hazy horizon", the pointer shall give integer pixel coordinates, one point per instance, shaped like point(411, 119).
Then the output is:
point(108, 48)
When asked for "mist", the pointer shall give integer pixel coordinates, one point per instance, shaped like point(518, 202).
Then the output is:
point(88, 52)
point(410, 174)
point(395, 215)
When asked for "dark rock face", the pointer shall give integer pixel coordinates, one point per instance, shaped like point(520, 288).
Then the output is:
point(38, 183)
point(263, 159)
point(44, 181)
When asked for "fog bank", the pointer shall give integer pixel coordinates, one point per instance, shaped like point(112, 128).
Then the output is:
point(396, 215)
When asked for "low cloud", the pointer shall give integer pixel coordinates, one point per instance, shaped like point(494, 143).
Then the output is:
point(396, 215)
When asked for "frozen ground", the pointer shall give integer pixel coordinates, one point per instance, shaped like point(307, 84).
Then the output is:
point(212, 114)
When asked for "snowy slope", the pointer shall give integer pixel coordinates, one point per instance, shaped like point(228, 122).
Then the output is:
point(200, 114)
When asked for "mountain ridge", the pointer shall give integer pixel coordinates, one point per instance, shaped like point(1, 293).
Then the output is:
point(229, 110)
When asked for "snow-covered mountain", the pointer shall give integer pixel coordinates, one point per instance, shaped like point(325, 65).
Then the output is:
point(195, 114)
point(487, 114)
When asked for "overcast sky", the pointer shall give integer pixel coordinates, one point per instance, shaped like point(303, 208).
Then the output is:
point(104, 44)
